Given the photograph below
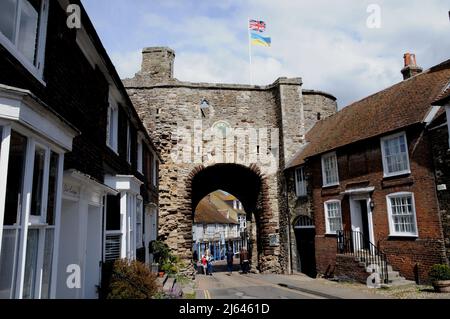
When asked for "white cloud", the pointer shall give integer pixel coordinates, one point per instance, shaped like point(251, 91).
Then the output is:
point(127, 63)
point(326, 43)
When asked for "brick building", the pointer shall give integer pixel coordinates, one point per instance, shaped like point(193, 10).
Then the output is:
point(78, 171)
point(440, 141)
point(363, 185)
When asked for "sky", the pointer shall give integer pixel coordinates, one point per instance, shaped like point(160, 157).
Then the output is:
point(326, 43)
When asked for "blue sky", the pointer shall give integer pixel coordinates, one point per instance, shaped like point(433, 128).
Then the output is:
point(327, 43)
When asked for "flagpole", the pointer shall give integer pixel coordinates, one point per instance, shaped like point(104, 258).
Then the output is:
point(249, 50)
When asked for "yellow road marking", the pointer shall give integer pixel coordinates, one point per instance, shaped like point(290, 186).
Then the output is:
point(207, 294)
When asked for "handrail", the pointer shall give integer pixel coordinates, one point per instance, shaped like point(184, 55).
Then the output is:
point(354, 243)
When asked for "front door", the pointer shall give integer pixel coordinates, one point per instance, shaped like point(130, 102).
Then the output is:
point(150, 231)
point(361, 219)
point(306, 250)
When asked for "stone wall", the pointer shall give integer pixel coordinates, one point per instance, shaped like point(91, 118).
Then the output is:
point(272, 119)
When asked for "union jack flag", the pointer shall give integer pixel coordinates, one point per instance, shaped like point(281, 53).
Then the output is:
point(257, 25)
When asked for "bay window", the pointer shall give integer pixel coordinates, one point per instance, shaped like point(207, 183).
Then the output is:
point(113, 233)
point(23, 31)
point(33, 173)
point(394, 149)
point(139, 222)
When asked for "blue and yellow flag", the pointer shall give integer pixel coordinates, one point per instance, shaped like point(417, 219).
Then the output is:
point(257, 39)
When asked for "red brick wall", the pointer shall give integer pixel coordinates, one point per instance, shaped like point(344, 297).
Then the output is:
point(403, 253)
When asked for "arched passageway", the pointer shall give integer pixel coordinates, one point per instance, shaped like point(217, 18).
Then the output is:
point(249, 186)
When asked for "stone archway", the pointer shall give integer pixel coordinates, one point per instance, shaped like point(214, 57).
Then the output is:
point(269, 124)
point(249, 185)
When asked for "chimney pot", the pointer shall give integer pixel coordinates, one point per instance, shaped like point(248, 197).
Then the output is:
point(410, 68)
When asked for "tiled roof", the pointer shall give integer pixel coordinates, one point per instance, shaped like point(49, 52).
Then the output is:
point(444, 97)
point(207, 212)
point(401, 105)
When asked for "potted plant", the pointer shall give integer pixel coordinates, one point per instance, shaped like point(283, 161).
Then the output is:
point(440, 278)
point(161, 253)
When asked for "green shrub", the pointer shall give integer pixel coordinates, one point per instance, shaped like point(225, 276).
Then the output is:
point(439, 272)
point(132, 280)
point(161, 251)
point(172, 265)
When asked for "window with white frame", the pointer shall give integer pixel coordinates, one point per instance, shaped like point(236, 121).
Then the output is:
point(23, 31)
point(402, 214)
point(28, 233)
point(139, 156)
point(300, 182)
point(128, 143)
point(139, 222)
point(112, 125)
point(330, 172)
point(394, 150)
point(333, 217)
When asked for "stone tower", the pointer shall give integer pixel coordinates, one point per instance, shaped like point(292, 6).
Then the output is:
point(257, 129)
point(157, 64)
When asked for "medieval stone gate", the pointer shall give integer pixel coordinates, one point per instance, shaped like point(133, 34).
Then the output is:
point(237, 138)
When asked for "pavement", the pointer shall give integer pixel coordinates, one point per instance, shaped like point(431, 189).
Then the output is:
point(222, 285)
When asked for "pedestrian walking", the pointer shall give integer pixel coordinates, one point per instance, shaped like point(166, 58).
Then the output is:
point(209, 260)
point(244, 261)
point(204, 265)
point(230, 261)
point(195, 260)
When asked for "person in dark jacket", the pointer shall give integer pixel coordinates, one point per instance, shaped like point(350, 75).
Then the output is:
point(245, 264)
point(230, 261)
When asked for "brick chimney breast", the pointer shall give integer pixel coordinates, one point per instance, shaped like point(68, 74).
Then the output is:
point(410, 66)
point(157, 63)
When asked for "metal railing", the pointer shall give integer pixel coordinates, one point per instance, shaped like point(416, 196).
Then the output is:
point(354, 243)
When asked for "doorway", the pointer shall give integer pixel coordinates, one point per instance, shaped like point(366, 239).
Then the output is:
point(361, 220)
point(305, 233)
point(93, 253)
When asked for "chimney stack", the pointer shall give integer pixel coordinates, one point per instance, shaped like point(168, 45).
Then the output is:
point(411, 68)
point(157, 62)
